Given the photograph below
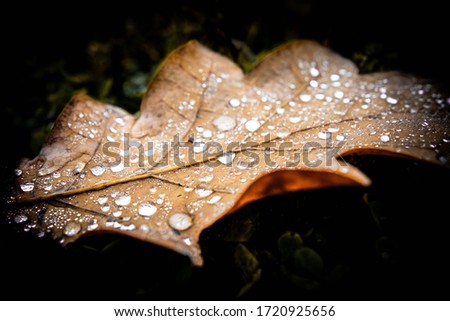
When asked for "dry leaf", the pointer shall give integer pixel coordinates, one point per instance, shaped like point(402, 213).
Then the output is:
point(210, 139)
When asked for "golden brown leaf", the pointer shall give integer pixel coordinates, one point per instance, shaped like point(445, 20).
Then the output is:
point(210, 139)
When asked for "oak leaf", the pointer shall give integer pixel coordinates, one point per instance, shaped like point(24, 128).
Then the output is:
point(210, 139)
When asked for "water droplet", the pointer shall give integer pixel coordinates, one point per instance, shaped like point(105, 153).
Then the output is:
point(384, 138)
point(188, 189)
point(214, 199)
point(391, 100)
point(146, 209)
point(314, 83)
point(334, 77)
point(339, 94)
point(180, 221)
point(207, 133)
point(226, 158)
point(280, 110)
point(333, 129)
point(72, 228)
point(117, 213)
point(224, 123)
point(314, 72)
point(102, 200)
point(295, 119)
point(187, 241)
point(97, 170)
point(283, 132)
point(252, 125)
point(117, 168)
point(27, 187)
point(207, 178)
point(320, 96)
point(105, 207)
point(199, 147)
point(305, 97)
point(56, 175)
point(18, 172)
point(20, 218)
point(123, 199)
point(203, 192)
point(324, 135)
point(92, 226)
point(234, 102)
point(364, 106)
point(120, 121)
point(340, 138)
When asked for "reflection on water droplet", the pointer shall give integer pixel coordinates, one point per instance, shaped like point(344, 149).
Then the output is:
point(146, 209)
point(180, 221)
point(117, 168)
point(226, 158)
point(56, 175)
point(18, 172)
point(120, 121)
point(305, 98)
point(97, 170)
point(188, 189)
point(333, 129)
point(214, 199)
point(105, 207)
point(314, 83)
point(340, 137)
point(20, 218)
point(283, 132)
point(27, 187)
point(252, 125)
point(384, 138)
point(123, 199)
point(224, 123)
point(234, 102)
point(187, 241)
point(72, 228)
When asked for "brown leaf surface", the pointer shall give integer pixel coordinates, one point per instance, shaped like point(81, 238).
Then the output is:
point(280, 128)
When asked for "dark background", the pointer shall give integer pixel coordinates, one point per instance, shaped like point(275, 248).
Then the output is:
point(388, 241)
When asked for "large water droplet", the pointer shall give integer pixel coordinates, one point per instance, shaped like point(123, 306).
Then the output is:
point(146, 209)
point(123, 199)
point(252, 125)
point(180, 221)
point(214, 199)
point(314, 72)
point(199, 147)
point(117, 168)
point(102, 200)
point(305, 97)
point(97, 170)
point(226, 158)
point(203, 192)
point(391, 100)
point(224, 123)
point(234, 102)
point(72, 228)
point(324, 135)
point(295, 119)
point(20, 218)
point(27, 187)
